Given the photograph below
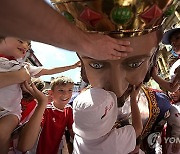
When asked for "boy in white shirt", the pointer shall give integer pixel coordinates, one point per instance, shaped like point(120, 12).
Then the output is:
point(14, 50)
point(95, 113)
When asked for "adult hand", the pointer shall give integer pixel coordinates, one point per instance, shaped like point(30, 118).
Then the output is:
point(104, 47)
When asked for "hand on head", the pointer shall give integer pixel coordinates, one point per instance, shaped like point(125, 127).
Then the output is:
point(104, 47)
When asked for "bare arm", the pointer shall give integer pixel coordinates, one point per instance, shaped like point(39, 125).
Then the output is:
point(36, 20)
point(58, 69)
point(163, 83)
point(30, 132)
point(9, 78)
point(136, 116)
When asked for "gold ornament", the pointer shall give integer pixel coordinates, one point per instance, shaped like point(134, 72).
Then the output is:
point(119, 18)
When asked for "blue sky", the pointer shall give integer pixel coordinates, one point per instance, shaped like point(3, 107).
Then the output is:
point(51, 56)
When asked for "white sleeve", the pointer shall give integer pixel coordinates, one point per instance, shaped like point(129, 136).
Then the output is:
point(33, 70)
point(126, 140)
point(173, 67)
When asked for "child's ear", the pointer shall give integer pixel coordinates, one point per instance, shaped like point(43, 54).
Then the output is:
point(50, 92)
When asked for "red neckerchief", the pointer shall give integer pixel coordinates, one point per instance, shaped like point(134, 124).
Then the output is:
point(8, 57)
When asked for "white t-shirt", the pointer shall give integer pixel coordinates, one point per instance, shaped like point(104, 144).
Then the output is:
point(173, 67)
point(11, 95)
point(117, 141)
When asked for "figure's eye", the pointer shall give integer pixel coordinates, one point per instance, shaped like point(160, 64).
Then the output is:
point(96, 65)
point(135, 64)
point(20, 41)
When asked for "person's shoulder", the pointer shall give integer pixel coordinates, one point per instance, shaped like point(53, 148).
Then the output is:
point(68, 107)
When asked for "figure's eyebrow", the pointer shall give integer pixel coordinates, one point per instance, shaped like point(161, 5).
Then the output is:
point(135, 58)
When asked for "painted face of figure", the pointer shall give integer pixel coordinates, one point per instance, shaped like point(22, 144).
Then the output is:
point(14, 47)
point(118, 75)
point(175, 42)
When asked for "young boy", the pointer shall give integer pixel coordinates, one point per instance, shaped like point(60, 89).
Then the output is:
point(57, 116)
point(14, 50)
point(95, 113)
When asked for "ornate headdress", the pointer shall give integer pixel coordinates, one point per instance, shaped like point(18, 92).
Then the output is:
point(124, 18)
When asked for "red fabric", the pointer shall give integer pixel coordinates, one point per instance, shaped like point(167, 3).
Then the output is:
point(8, 57)
point(53, 126)
point(27, 107)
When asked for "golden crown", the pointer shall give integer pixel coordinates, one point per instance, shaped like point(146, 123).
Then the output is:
point(124, 18)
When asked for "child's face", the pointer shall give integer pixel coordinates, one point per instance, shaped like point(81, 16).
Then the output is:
point(14, 47)
point(175, 42)
point(175, 96)
point(62, 94)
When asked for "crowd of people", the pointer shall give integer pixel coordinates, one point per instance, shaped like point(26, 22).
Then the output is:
point(116, 113)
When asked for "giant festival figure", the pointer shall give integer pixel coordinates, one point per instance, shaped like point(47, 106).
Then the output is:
point(141, 23)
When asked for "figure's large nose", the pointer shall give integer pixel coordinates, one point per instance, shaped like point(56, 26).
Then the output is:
point(117, 79)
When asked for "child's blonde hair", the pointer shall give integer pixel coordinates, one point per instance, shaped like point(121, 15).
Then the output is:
point(63, 80)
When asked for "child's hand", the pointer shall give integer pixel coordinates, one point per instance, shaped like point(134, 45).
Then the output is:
point(135, 91)
point(77, 64)
point(38, 95)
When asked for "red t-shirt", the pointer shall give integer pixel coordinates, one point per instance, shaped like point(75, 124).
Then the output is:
point(27, 108)
point(53, 126)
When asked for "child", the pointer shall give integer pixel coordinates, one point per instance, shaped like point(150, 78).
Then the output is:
point(57, 116)
point(10, 108)
point(95, 113)
point(167, 85)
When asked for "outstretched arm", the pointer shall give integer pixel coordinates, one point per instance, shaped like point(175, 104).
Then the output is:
point(36, 20)
point(58, 69)
point(30, 132)
point(163, 83)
